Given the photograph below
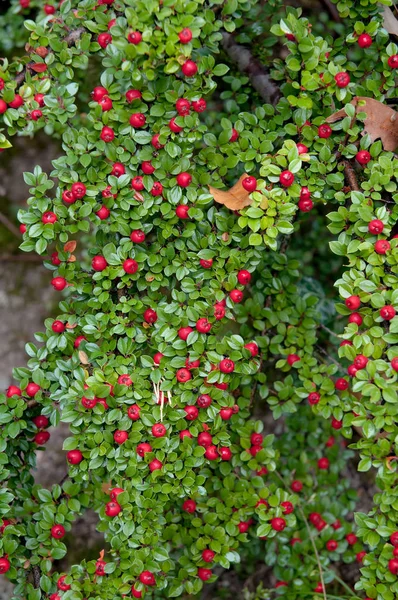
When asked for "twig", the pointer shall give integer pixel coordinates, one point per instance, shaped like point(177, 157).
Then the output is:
point(350, 175)
point(329, 330)
point(315, 552)
point(10, 226)
point(36, 577)
point(323, 351)
point(332, 10)
point(247, 63)
point(70, 39)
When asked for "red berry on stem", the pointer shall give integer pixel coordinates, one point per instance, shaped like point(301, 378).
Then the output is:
point(185, 36)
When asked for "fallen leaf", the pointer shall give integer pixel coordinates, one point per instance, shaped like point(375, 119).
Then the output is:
point(390, 23)
point(83, 357)
point(235, 198)
point(70, 246)
point(381, 120)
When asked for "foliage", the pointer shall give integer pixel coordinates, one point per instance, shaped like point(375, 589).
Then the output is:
point(228, 276)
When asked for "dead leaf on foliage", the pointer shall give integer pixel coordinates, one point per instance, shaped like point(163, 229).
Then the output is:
point(235, 198)
point(381, 120)
point(83, 357)
point(71, 325)
point(70, 246)
point(72, 258)
point(390, 23)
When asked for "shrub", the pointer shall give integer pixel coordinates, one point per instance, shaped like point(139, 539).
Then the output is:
point(196, 290)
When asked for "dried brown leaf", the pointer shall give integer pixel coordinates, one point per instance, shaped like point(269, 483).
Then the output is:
point(381, 121)
point(390, 23)
point(83, 357)
point(235, 198)
point(70, 246)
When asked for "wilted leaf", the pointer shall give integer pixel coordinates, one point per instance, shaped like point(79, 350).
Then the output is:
point(72, 258)
point(83, 357)
point(70, 246)
point(236, 198)
point(71, 325)
point(390, 23)
point(381, 120)
point(39, 67)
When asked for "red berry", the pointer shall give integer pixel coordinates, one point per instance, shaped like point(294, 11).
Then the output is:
point(382, 246)
point(120, 436)
point(342, 79)
point(324, 131)
point(286, 178)
point(234, 135)
point(22, 228)
point(244, 277)
point(41, 438)
point(189, 68)
point(184, 332)
point(208, 555)
point(130, 266)
point(58, 327)
point(48, 9)
point(249, 183)
point(288, 507)
point(36, 114)
point(79, 340)
point(203, 401)
point(184, 179)
point(205, 574)
point(118, 169)
point(13, 390)
point(189, 506)
point(59, 283)
point(191, 412)
point(393, 61)
point(256, 439)
point(292, 358)
point(211, 453)
point(296, 486)
point(360, 556)
point(32, 389)
point(100, 568)
point(49, 218)
point(61, 585)
point(5, 565)
point(236, 296)
point(353, 302)
point(137, 120)
point(185, 36)
point(185, 433)
point(98, 93)
point(302, 148)
point(174, 127)
point(155, 141)
point(74, 457)
point(133, 412)
point(17, 102)
point(252, 347)
point(313, 398)
point(132, 95)
point(58, 531)
point(394, 538)
point(225, 453)
point(134, 37)
point(39, 98)
point(351, 539)
point(183, 106)
point(143, 448)
point(99, 263)
point(78, 189)
point(183, 375)
point(107, 134)
point(200, 105)
point(336, 424)
point(364, 40)
point(393, 563)
point(147, 167)
point(336, 525)
point(363, 157)
point(104, 39)
point(205, 439)
point(159, 430)
point(182, 211)
point(226, 413)
point(150, 316)
point(387, 312)
point(155, 465)
point(355, 318)
point(206, 264)
point(105, 103)
point(203, 325)
point(305, 205)
point(243, 526)
point(278, 524)
point(219, 311)
point(394, 363)
point(376, 226)
point(226, 366)
point(112, 509)
point(323, 463)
